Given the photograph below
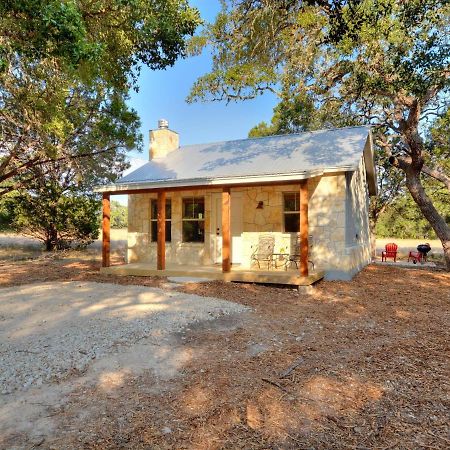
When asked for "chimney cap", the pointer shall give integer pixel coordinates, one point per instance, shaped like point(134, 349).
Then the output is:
point(163, 124)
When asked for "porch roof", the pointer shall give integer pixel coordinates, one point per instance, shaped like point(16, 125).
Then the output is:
point(269, 159)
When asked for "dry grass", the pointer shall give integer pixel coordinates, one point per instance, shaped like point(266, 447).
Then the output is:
point(371, 370)
point(16, 247)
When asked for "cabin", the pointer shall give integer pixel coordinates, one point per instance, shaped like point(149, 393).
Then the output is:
point(288, 209)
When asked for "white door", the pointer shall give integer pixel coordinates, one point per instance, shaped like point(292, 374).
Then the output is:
point(216, 225)
point(236, 227)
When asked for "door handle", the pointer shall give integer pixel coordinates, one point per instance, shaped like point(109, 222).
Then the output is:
point(217, 231)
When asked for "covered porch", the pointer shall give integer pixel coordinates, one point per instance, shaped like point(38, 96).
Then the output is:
point(299, 275)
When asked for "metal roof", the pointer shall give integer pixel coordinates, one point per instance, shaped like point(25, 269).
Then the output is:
point(293, 156)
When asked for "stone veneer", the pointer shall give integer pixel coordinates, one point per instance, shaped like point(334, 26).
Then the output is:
point(140, 247)
point(336, 203)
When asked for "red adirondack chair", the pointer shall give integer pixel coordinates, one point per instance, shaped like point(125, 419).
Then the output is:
point(390, 251)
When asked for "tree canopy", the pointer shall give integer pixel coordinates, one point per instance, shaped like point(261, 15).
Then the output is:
point(58, 216)
point(383, 61)
point(119, 215)
point(65, 71)
point(101, 38)
point(47, 117)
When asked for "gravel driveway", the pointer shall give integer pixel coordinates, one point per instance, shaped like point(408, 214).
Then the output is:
point(52, 330)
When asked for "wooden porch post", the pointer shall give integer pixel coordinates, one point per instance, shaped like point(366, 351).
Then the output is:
point(106, 221)
point(161, 231)
point(304, 228)
point(226, 230)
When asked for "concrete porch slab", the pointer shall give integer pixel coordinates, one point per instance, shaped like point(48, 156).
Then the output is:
point(215, 273)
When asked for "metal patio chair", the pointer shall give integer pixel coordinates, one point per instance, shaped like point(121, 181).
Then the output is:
point(264, 251)
point(294, 257)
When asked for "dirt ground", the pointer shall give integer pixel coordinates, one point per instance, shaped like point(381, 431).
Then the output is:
point(361, 365)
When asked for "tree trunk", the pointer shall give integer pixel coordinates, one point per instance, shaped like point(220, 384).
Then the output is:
point(427, 208)
point(51, 240)
point(373, 238)
point(412, 169)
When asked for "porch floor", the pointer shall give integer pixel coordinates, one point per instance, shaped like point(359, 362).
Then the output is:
point(289, 277)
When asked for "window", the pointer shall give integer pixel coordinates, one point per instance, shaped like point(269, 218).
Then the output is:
point(291, 210)
point(194, 219)
point(154, 220)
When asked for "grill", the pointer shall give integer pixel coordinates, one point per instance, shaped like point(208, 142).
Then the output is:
point(421, 254)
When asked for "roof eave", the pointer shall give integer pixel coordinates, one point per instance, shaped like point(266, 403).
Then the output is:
point(220, 181)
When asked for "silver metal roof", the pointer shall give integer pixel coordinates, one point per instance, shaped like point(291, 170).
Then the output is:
point(296, 156)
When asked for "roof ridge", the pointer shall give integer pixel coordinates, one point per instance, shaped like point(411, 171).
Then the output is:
point(278, 135)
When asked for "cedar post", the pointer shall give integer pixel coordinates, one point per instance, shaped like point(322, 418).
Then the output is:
point(106, 221)
point(161, 231)
point(304, 228)
point(226, 230)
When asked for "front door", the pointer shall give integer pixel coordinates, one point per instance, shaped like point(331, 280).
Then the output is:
point(236, 227)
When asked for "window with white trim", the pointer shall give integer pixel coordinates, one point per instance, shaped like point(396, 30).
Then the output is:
point(194, 219)
point(291, 212)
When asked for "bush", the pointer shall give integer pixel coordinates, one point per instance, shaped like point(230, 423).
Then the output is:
point(403, 219)
point(6, 214)
point(119, 215)
point(58, 220)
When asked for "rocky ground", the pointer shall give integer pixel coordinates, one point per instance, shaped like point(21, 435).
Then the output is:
point(50, 330)
point(361, 364)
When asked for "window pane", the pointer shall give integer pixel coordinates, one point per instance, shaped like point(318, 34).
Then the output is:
point(193, 208)
point(292, 201)
point(154, 209)
point(193, 231)
point(292, 223)
point(187, 208)
point(154, 230)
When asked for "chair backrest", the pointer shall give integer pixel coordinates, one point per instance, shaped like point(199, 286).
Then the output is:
point(295, 247)
point(266, 244)
point(391, 248)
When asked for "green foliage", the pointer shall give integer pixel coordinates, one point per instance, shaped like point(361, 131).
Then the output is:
point(439, 142)
point(6, 213)
point(119, 215)
point(66, 69)
point(106, 38)
point(393, 210)
point(46, 116)
point(364, 53)
point(403, 219)
point(296, 113)
point(383, 62)
point(59, 219)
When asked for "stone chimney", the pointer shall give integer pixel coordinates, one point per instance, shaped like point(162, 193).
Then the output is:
point(163, 140)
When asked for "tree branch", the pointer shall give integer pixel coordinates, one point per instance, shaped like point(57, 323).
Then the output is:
point(437, 175)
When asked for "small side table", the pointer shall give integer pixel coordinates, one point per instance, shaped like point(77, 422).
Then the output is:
point(282, 257)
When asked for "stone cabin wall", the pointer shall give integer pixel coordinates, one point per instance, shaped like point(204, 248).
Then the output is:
point(338, 225)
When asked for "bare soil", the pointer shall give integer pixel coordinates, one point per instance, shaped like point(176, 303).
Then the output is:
point(361, 364)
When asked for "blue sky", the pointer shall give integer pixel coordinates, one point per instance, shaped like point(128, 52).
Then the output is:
point(162, 94)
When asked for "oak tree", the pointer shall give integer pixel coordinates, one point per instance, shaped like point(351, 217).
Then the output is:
point(387, 61)
point(66, 68)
